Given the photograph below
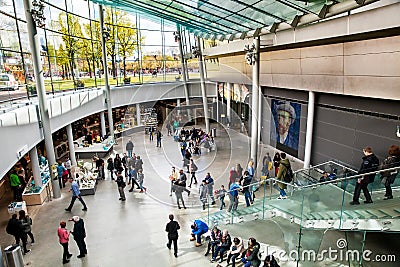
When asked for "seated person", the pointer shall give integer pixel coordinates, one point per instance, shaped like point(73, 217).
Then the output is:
point(196, 150)
point(215, 237)
point(224, 245)
point(324, 177)
point(198, 229)
point(270, 261)
point(235, 251)
point(250, 258)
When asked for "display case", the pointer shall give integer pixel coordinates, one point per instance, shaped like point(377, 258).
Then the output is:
point(36, 195)
point(86, 176)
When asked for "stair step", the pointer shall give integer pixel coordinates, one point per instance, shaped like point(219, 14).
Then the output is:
point(377, 214)
point(391, 212)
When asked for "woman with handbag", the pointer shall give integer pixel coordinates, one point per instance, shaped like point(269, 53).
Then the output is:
point(388, 177)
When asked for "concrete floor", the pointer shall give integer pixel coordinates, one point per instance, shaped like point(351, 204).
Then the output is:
point(132, 233)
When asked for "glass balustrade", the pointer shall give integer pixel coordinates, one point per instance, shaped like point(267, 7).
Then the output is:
point(305, 226)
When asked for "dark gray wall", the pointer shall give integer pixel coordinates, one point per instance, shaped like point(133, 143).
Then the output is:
point(343, 125)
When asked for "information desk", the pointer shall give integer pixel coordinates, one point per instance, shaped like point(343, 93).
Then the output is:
point(96, 149)
point(39, 197)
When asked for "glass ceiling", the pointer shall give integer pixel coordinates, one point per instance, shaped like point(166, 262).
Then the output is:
point(221, 17)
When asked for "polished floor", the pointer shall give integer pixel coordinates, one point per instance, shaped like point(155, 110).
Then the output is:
point(133, 232)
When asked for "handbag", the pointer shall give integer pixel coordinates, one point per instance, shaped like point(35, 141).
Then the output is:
point(270, 165)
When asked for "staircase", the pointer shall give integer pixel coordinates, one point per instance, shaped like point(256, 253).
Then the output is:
point(320, 206)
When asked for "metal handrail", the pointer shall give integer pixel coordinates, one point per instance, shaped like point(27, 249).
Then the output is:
point(337, 180)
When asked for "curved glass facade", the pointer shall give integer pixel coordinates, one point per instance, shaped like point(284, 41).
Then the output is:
point(138, 50)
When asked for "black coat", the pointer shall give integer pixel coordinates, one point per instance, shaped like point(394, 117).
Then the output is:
point(79, 232)
point(14, 227)
point(370, 163)
point(172, 229)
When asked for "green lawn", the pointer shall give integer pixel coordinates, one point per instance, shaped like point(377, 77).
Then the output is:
point(60, 85)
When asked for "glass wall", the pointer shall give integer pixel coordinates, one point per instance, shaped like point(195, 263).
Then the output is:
point(139, 50)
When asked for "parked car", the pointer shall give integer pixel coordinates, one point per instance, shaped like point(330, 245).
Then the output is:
point(8, 82)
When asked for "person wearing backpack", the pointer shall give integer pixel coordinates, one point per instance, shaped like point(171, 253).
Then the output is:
point(14, 228)
point(388, 177)
point(370, 164)
point(284, 166)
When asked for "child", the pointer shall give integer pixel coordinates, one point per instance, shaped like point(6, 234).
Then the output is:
point(221, 195)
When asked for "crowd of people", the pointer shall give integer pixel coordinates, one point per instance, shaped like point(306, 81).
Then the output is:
point(220, 243)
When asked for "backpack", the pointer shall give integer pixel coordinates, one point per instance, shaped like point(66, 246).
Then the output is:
point(288, 178)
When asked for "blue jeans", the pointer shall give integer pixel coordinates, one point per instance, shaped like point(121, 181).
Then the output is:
point(222, 203)
point(247, 197)
point(130, 153)
point(198, 236)
point(282, 192)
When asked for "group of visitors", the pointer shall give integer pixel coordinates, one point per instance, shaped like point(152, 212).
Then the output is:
point(21, 228)
point(221, 243)
point(79, 234)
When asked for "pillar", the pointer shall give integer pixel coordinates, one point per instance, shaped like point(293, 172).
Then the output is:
point(41, 93)
point(106, 80)
point(254, 104)
point(228, 104)
point(35, 167)
point(260, 107)
point(103, 124)
point(71, 147)
point(203, 85)
point(139, 122)
point(309, 130)
point(184, 70)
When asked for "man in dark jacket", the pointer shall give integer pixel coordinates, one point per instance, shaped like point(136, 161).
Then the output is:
point(79, 234)
point(172, 229)
point(251, 256)
point(14, 228)
point(370, 164)
point(129, 148)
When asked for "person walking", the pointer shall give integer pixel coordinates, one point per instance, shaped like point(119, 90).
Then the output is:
point(182, 181)
point(63, 237)
point(192, 169)
point(388, 177)
point(277, 162)
point(133, 178)
point(121, 185)
point(370, 164)
point(140, 181)
point(245, 181)
point(129, 148)
point(172, 230)
point(210, 187)
point(159, 137)
point(68, 166)
point(79, 234)
point(267, 164)
point(76, 194)
point(233, 176)
point(173, 177)
point(233, 196)
point(178, 189)
point(203, 193)
point(284, 165)
point(221, 196)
